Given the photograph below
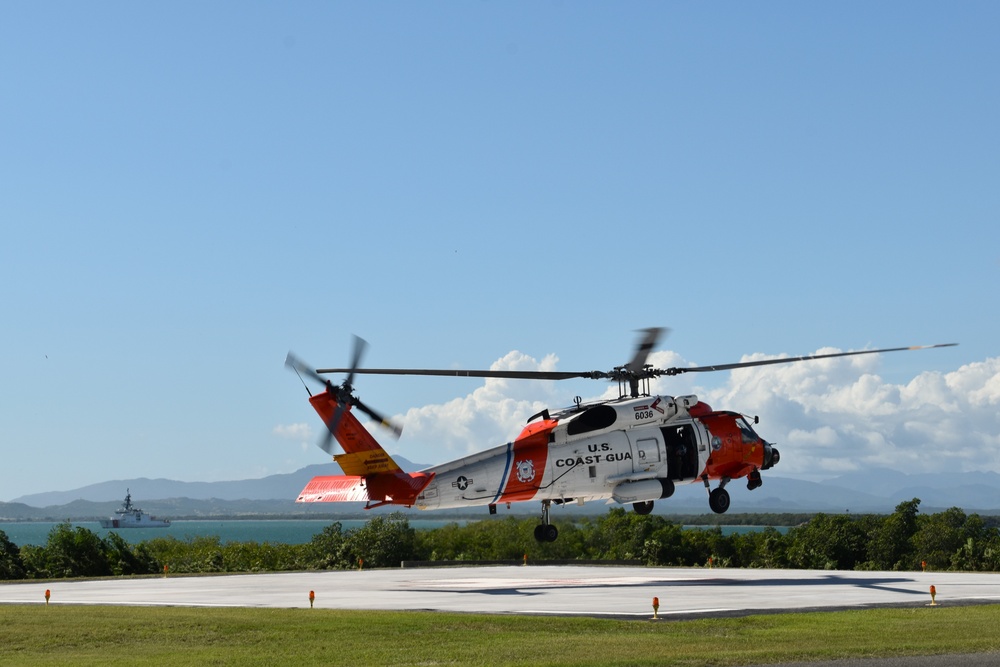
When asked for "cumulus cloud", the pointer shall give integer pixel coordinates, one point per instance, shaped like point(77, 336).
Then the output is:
point(827, 416)
point(934, 422)
point(491, 415)
point(301, 433)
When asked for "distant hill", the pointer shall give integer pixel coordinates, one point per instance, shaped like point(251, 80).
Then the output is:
point(871, 491)
point(273, 487)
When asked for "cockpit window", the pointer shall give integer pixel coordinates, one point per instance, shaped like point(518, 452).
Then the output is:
point(749, 437)
point(593, 419)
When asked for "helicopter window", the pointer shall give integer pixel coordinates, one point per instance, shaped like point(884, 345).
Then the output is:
point(749, 437)
point(593, 419)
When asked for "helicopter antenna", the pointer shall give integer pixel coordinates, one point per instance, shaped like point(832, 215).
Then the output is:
point(302, 381)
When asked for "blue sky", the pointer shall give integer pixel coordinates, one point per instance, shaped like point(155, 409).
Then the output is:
point(190, 190)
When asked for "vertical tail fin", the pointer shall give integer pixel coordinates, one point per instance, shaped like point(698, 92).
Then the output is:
point(362, 453)
point(370, 473)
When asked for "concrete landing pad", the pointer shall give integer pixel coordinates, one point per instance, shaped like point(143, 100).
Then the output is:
point(554, 590)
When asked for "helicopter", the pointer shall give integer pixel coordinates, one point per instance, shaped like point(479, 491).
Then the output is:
point(634, 449)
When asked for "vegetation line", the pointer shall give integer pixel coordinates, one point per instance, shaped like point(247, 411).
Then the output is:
point(903, 540)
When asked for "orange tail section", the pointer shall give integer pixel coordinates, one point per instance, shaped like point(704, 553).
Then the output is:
point(371, 474)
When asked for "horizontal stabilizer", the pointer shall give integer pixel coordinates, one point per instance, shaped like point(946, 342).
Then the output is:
point(335, 489)
point(397, 488)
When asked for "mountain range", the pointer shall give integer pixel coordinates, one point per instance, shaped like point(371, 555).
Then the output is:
point(874, 490)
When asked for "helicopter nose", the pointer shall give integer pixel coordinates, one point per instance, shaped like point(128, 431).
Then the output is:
point(771, 456)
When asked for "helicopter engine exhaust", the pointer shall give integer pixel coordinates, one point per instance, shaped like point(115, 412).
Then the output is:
point(642, 491)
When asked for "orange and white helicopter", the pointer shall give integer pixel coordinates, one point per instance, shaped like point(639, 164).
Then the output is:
point(630, 450)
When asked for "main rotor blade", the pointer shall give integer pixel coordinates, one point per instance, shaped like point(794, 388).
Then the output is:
point(646, 345)
point(788, 360)
point(511, 375)
point(625, 373)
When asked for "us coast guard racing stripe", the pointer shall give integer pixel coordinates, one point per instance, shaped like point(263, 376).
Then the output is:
point(506, 472)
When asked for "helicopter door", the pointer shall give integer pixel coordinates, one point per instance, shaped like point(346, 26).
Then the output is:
point(647, 454)
point(682, 453)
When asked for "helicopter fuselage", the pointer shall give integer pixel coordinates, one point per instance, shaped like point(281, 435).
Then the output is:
point(626, 451)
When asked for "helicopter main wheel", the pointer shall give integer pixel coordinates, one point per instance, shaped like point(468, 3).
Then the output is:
point(546, 533)
point(643, 508)
point(718, 500)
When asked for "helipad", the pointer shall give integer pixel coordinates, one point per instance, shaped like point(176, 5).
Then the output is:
point(556, 590)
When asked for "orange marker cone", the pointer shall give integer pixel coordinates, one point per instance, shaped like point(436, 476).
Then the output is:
point(933, 595)
point(525, 559)
point(48, 594)
point(656, 608)
point(312, 598)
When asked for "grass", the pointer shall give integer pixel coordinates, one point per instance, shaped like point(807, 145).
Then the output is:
point(92, 635)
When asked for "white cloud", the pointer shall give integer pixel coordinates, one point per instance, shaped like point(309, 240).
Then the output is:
point(302, 433)
point(934, 422)
point(827, 416)
point(491, 415)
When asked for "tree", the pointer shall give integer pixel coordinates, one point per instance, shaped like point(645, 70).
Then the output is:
point(383, 541)
point(124, 560)
point(11, 565)
point(326, 548)
point(828, 542)
point(71, 552)
point(890, 544)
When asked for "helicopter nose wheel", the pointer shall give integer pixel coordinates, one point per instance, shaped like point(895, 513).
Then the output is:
point(718, 499)
point(545, 531)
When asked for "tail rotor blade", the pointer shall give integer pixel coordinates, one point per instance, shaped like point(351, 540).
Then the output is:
point(300, 367)
point(383, 421)
point(359, 349)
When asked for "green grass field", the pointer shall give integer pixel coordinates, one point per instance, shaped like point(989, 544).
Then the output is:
point(91, 635)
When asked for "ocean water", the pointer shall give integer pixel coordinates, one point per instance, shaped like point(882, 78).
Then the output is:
point(275, 531)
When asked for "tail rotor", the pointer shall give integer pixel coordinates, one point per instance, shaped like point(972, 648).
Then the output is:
point(343, 395)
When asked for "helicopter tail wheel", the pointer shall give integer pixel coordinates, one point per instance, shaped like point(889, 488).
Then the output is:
point(718, 500)
point(643, 508)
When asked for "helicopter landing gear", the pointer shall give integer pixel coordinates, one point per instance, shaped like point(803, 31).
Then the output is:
point(718, 499)
point(754, 481)
point(545, 531)
point(643, 508)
